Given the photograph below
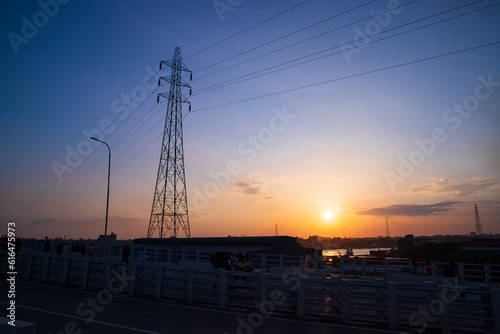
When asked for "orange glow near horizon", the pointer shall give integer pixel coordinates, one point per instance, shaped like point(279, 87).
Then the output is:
point(404, 130)
point(236, 213)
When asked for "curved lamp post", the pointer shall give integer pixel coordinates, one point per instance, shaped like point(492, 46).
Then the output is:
point(107, 198)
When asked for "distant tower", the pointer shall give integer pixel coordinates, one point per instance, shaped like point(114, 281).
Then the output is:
point(170, 210)
point(479, 228)
point(276, 229)
point(387, 228)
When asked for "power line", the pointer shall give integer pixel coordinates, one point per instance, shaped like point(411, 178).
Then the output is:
point(284, 36)
point(53, 201)
point(102, 169)
point(299, 42)
point(53, 196)
point(236, 81)
point(121, 143)
point(308, 86)
point(41, 198)
point(46, 193)
point(113, 171)
point(249, 28)
point(349, 76)
point(133, 112)
point(119, 139)
point(323, 57)
point(226, 24)
point(104, 178)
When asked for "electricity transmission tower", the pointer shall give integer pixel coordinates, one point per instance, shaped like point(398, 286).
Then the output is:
point(479, 228)
point(169, 212)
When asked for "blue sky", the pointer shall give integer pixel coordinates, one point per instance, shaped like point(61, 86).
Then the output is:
point(334, 154)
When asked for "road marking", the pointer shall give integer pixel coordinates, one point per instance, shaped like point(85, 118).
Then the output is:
point(166, 303)
point(84, 319)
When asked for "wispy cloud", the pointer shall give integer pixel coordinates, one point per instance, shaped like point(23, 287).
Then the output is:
point(250, 187)
point(457, 188)
point(410, 210)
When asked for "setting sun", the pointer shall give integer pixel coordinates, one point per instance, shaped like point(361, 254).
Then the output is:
point(268, 142)
point(328, 215)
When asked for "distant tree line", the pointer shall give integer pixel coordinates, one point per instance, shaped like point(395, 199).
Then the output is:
point(336, 242)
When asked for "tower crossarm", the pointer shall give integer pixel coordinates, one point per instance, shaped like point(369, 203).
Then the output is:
point(168, 79)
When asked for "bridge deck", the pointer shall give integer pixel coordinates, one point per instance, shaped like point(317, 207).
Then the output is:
point(60, 310)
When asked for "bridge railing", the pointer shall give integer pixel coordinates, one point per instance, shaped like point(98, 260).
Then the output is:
point(260, 260)
point(287, 290)
point(466, 272)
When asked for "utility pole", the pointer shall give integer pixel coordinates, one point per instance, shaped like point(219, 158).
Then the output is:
point(479, 228)
point(169, 211)
point(107, 196)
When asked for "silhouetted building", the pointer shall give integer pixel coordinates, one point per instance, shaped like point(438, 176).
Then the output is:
point(269, 244)
point(410, 242)
point(110, 239)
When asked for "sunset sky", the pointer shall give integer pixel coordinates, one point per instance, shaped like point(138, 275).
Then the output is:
point(347, 117)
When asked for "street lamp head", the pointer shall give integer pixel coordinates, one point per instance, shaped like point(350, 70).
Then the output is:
point(94, 139)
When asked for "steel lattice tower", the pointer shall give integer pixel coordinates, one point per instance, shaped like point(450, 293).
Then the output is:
point(479, 228)
point(169, 212)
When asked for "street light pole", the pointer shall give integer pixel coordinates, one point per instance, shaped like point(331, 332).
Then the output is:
point(107, 197)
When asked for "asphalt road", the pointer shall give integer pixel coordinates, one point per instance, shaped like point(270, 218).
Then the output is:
point(60, 310)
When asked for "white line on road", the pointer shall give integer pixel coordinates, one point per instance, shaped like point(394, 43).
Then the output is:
point(84, 319)
point(276, 318)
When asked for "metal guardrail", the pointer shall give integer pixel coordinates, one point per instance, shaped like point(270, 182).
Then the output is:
point(466, 272)
point(261, 261)
point(479, 273)
point(289, 290)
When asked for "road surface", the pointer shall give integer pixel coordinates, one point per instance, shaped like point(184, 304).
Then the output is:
point(61, 310)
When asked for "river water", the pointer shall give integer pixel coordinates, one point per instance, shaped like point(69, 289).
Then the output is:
point(356, 251)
